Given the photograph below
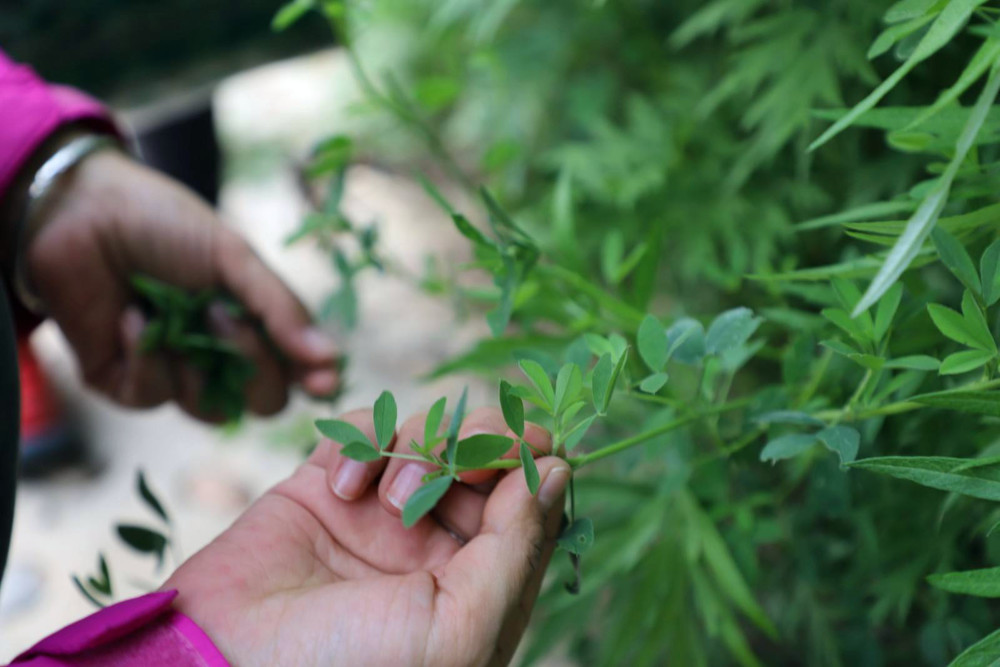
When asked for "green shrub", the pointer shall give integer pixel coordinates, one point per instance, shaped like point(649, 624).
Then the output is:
point(800, 294)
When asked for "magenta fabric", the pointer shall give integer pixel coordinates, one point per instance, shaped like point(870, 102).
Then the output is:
point(141, 632)
point(30, 110)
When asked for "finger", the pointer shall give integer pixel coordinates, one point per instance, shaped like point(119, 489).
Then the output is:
point(492, 578)
point(490, 420)
point(145, 380)
point(402, 476)
point(347, 478)
point(188, 388)
point(284, 317)
point(267, 391)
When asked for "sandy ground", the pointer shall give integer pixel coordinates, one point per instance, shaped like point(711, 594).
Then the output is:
point(204, 475)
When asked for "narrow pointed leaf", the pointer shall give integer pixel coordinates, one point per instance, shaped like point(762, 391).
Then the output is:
point(886, 311)
point(601, 382)
point(530, 469)
point(983, 583)
point(434, 418)
point(939, 472)
point(989, 270)
point(512, 408)
point(974, 402)
point(954, 255)
point(954, 326)
point(540, 379)
point(569, 382)
point(920, 224)
point(653, 383)
point(149, 498)
point(425, 499)
point(384, 415)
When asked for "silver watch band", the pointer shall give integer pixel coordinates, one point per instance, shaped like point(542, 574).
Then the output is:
point(58, 164)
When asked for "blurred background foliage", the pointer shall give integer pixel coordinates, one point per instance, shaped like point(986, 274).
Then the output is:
point(660, 150)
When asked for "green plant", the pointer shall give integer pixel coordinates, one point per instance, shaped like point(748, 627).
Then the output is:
point(867, 330)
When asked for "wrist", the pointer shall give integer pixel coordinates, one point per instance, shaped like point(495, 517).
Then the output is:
point(22, 211)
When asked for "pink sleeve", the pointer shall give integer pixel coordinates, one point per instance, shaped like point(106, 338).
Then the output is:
point(30, 110)
point(141, 632)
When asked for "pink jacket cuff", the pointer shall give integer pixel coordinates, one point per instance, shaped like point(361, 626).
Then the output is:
point(141, 632)
point(30, 110)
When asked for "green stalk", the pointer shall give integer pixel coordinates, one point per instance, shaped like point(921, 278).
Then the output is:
point(608, 302)
point(627, 443)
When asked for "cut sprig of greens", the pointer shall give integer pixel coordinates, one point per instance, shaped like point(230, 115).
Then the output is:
point(177, 324)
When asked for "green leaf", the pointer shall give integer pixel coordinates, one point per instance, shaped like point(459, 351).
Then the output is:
point(842, 440)
point(480, 449)
point(954, 255)
point(290, 13)
point(471, 232)
point(85, 593)
point(895, 33)
point(578, 537)
point(730, 329)
point(965, 361)
point(574, 437)
point(974, 402)
point(384, 415)
point(905, 10)
point(886, 311)
point(939, 472)
point(434, 417)
point(922, 221)
point(984, 653)
point(653, 383)
point(944, 27)
point(342, 432)
point(955, 327)
point(652, 343)
point(530, 469)
point(686, 341)
point(512, 408)
point(600, 382)
point(989, 269)
point(150, 499)
point(849, 326)
point(143, 540)
point(569, 383)
point(916, 362)
point(787, 446)
point(981, 583)
point(360, 451)
point(455, 426)
point(973, 314)
point(540, 379)
point(424, 499)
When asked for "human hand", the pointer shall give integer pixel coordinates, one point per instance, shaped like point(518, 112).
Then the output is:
point(307, 577)
point(110, 218)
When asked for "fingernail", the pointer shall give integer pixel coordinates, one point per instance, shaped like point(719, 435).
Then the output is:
point(553, 486)
point(318, 343)
point(407, 481)
point(350, 480)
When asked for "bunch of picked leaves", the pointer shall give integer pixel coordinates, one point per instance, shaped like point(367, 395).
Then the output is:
point(177, 324)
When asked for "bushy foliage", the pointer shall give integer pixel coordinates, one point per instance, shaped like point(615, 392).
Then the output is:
point(794, 297)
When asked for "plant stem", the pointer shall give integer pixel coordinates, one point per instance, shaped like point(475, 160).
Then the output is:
point(400, 455)
point(610, 303)
point(622, 445)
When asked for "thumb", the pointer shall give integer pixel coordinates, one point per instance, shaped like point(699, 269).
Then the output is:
point(492, 582)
